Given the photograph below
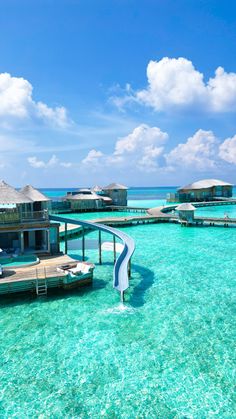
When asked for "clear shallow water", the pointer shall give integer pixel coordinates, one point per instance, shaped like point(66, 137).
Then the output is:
point(100, 215)
point(168, 353)
point(220, 211)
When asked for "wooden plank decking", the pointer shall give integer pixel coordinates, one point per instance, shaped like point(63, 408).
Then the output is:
point(47, 265)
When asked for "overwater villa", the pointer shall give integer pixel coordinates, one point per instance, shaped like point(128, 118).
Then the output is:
point(117, 192)
point(87, 200)
point(24, 222)
point(202, 190)
point(97, 198)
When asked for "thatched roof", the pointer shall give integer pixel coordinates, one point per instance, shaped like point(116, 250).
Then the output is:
point(9, 195)
point(205, 184)
point(83, 197)
point(185, 207)
point(114, 186)
point(34, 194)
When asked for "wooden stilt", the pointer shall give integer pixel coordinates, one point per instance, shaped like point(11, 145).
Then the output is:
point(66, 239)
point(129, 268)
point(122, 296)
point(83, 245)
point(114, 247)
point(100, 246)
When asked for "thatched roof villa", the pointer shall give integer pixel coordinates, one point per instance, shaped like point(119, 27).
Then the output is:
point(85, 200)
point(39, 200)
point(202, 190)
point(117, 192)
point(24, 221)
point(10, 196)
point(97, 198)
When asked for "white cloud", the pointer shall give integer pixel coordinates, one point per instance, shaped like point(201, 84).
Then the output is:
point(174, 83)
point(93, 157)
point(222, 91)
point(16, 102)
point(148, 162)
point(139, 138)
point(52, 162)
point(58, 115)
point(227, 150)
point(198, 152)
point(140, 149)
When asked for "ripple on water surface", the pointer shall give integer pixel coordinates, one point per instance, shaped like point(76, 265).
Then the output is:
point(168, 353)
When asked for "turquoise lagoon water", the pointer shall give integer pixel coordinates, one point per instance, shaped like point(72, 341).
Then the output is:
point(219, 211)
point(167, 353)
point(100, 215)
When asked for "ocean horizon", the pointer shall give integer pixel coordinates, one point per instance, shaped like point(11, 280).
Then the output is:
point(138, 193)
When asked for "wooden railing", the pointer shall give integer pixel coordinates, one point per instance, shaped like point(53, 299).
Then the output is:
point(16, 217)
point(34, 216)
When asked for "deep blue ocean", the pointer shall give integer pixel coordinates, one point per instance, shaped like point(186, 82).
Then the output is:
point(137, 193)
point(134, 193)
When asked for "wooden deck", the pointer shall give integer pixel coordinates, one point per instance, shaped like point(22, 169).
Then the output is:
point(45, 276)
point(48, 265)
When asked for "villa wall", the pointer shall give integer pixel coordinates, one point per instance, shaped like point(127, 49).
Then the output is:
point(186, 215)
point(118, 196)
point(192, 195)
point(86, 204)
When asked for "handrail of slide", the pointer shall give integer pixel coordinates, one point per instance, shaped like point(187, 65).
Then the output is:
point(120, 272)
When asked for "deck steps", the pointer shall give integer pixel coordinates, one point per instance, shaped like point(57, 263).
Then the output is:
point(41, 283)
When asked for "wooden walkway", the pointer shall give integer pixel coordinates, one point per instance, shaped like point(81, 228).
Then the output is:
point(152, 215)
point(215, 220)
point(115, 221)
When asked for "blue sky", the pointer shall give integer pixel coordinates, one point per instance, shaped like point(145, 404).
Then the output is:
point(140, 92)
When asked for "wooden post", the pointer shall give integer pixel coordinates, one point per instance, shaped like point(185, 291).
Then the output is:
point(114, 247)
point(22, 242)
point(48, 241)
point(122, 296)
point(83, 245)
point(100, 246)
point(66, 243)
point(129, 268)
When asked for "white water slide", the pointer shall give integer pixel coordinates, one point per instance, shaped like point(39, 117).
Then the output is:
point(120, 273)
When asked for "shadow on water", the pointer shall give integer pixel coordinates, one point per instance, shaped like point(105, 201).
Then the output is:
point(22, 298)
point(137, 295)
